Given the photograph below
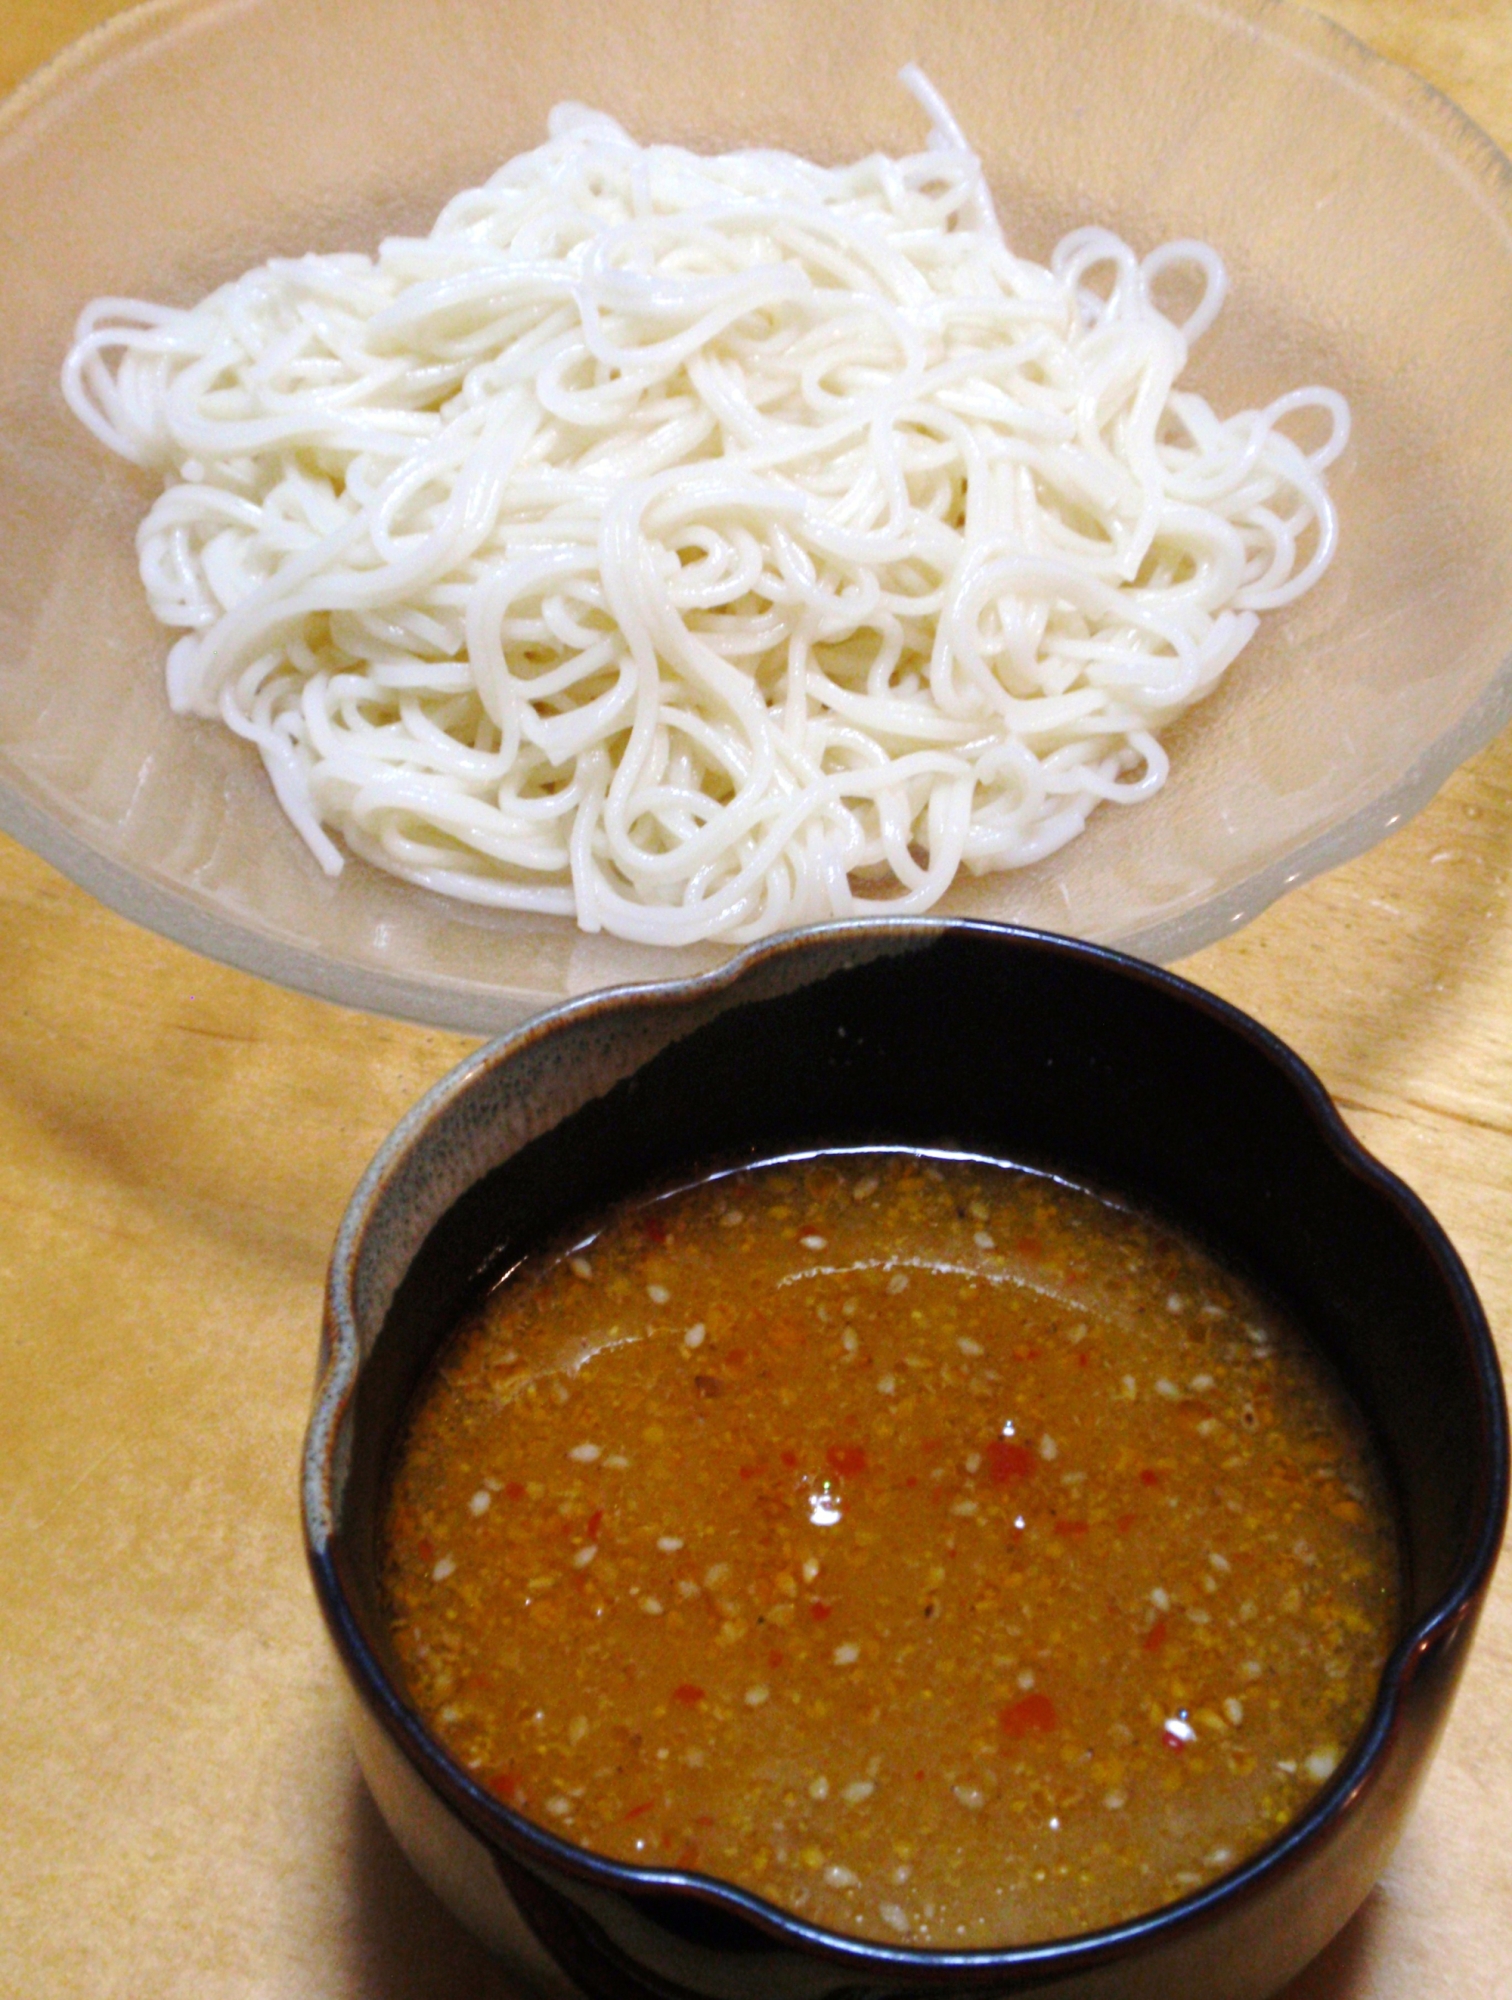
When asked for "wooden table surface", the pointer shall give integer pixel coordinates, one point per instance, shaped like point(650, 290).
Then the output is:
point(179, 1812)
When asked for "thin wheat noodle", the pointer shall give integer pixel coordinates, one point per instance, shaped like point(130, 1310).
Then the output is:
point(702, 546)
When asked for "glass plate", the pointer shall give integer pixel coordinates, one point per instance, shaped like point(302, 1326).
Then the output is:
point(1364, 221)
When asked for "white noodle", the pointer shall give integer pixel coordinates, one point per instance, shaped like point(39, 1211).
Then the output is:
point(702, 546)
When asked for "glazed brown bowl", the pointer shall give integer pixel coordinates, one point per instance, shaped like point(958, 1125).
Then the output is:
point(1029, 1049)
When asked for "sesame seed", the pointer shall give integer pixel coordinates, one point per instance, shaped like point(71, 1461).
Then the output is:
point(686, 1587)
point(1234, 1710)
point(887, 1385)
point(694, 1337)
point(965, 1508)
point(652, 1606)
point(841, 1878)
point(577, 1729)
point(969, 1346)
point(1160, 1599)
point(1200, 1384)
point(1048, 1448)
point(756, 1696)
point(1175, 1302)
point(1115, 1801)
point(586, 1454)
point(617, 1462)
point(481, 1501)
point(819, 1789)
point(847, 1655)
point(858, 1793)
point(715, 1575)
point(669, 1544)
point(1179, 1729)
point(581, 1268)
point(1168, 1390)
point(585, 1555)
point(985, 1240)
point(1220, 1563)
point(1251, 1669)
point(1026, 1678)
point(559, 1807)
point(898, 1282)
point(731, 1219)
point(445, 1568)
point(1322, 1763)
point(898, 1918)
point(864, 1188)
point(810, 1569)
point(658, 1294)
point(849, 1341)
point(970, 1796)
point(813, 1242)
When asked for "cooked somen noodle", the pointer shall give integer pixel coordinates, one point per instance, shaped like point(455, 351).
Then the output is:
point(700, 546)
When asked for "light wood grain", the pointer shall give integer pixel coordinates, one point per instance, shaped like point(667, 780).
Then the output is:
point(180, 1813)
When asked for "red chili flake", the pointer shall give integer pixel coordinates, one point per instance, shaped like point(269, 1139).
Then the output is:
point(789, 1458)
point(666, 1841)
point(1070, 1528)
point(427, 1551)
point(513, 1490)
point(654, 1228)
point(912, 1479)
point(749, 1471)
point(1084, 1361)
point(920, 1776)
point(703, 1819)
point(689, 1693)
point(1124, 1523)
point(775, 1659)
point(735, 1356)
point(1007, 1461)
point(819, 1612)
point(931, 1447)
point(595, 1522)
point(1155, 1638)
point(508, 1787)
point(1034, 1715)
point(638, 1812)
point(689, 1856)
point(847, 1458)
point(1172, 1741)
point(1149, 1477)
point(1029, 1246)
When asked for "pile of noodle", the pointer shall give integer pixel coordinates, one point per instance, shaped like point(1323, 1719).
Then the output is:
point(702, 546)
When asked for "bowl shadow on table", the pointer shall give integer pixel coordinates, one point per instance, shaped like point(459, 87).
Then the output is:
point(405, 1944)
point(408, 1946)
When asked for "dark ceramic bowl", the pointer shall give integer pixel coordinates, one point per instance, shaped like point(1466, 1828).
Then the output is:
point(1026, 1048)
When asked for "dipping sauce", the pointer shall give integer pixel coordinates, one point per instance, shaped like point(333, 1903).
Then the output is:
point(941, 1552)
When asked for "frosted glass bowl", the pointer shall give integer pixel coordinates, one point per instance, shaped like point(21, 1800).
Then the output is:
point(1367, 227)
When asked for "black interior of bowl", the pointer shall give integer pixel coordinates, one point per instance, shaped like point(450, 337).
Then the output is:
point(1061, 1058)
